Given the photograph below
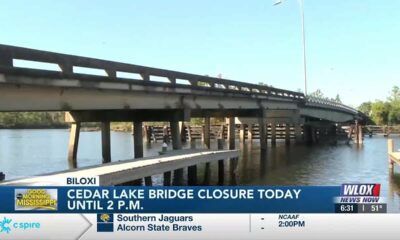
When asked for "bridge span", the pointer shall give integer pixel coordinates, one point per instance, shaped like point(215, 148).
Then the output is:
point(94, 90)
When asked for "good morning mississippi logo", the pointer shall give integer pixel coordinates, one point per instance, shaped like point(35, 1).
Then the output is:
point(35, 199)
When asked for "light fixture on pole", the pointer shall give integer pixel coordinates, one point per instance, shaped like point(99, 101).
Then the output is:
point(301, 2)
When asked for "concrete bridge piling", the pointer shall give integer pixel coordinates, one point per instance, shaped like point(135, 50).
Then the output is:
point(73, 144)
point(178, 131)
point(106, 141)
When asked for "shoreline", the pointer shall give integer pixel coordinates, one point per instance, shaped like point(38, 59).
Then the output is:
point(83, 129)
point(35, 127)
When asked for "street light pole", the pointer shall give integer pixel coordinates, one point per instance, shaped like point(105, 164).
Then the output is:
point(301, 2)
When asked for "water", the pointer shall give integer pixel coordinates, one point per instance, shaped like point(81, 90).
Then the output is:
point(31, 152)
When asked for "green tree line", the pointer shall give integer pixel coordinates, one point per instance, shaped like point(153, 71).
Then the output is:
point(31, 119)
point(384, 112)
point(56, 120)
point(318, 94)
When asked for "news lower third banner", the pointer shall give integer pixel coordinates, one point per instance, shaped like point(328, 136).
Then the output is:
point(168, 199)
point(245, 212)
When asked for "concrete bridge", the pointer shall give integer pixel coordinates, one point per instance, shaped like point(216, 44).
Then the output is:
point(93, 90)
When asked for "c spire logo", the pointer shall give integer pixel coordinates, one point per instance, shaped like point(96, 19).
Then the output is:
point(5, 225)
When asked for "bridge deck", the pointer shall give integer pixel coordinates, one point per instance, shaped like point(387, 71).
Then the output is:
point(65, 88)
point(124, 171)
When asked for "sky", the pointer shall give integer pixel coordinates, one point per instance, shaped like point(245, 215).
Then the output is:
point(352, 46)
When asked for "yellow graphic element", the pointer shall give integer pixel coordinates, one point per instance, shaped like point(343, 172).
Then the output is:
point(105, 217)
point(36, 198)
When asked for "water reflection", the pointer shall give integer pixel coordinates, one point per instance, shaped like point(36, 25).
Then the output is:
point(31, 152)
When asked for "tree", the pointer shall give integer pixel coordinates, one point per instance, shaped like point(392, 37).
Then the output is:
point(394, 101)
point(380, 112)
point(197, 121)
point(394, 95)
point(264, 84)
point(365, 108)
point(337, 99)
point(394, 115)
point(317, 94)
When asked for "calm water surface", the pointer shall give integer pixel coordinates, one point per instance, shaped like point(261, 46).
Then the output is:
point(32, 152)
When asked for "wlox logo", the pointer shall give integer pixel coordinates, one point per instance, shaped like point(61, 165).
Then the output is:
point(359, 193)
point(361, 190)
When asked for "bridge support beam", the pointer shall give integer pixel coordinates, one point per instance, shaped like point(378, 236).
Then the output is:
point(138, 146)
point(73, 144)
point(176, 145)
point(287, 133)
point(166, 134)
point(222, 132)
point(358, 134)
point(138, 139)
point(182, 130)
point(273, 134)
point(262, 130)
point(189, 133)
point(297, 133)
point(221, 171)
point(167, 178)
point(176, 141)
point(231, 133)
point(242, 133)
point(206, 132)
point(314, 137)
point(106, 142)
point(333, 130)
point(307, 134)
point(250, 132)
point(207, 138)
point(192, 170)
point(148, 131)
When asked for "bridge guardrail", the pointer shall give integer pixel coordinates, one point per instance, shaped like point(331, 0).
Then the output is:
point(333, 104)
point(68, 62)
